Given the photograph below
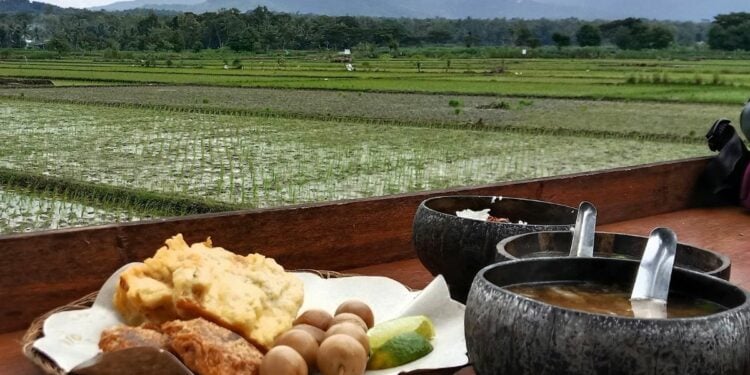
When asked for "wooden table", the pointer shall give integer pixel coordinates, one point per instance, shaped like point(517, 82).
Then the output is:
point(369, 237)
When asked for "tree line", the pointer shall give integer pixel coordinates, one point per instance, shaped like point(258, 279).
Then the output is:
point(261, 30)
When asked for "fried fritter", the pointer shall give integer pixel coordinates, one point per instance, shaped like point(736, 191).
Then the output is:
point(251, 295)
point(123, 337)
point(209, 349)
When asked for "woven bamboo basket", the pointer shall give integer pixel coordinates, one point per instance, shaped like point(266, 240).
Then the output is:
point(35, 330)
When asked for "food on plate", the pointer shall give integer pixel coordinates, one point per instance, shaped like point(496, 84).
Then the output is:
point(316, 332)
point(283, 360)
point(400, 341)
point(316, 318)
point(353, 330)
point(482, 215)
point(209, 349)
point(399, 350)
point(341, 355)
point(203, 346)
point(219, 312)
point(302, 342)
point(124, 337)
point(349, 317)
point(251, 295)
point(495, 219)
point(359, 309)
point(342, 350)
point(384, 331)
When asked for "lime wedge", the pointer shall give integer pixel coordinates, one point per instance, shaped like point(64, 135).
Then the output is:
point(382, 332)
point(399, 350)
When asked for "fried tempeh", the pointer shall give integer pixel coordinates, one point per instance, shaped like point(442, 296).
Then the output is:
point(209, 349)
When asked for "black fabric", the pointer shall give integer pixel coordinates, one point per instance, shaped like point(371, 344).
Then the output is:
point(745, 120)
point(724, 172)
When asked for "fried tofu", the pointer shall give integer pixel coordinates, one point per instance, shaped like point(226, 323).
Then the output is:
point(250, 295)
point(208, 349)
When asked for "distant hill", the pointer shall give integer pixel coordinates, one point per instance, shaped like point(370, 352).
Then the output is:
point(382, 8)
point(26, 6)
point(532, 9)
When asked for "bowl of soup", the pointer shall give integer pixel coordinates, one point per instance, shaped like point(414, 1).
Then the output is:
point(457, 247)
point(610, 245)
point(565, 316)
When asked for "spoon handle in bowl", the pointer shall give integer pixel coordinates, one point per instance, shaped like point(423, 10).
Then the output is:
point(584, 232)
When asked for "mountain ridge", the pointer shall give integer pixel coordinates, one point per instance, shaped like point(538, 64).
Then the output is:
point(677, 10)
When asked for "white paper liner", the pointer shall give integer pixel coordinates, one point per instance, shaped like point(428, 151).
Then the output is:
point(72, 337)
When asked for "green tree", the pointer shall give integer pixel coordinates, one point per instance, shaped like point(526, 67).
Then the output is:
point(626, 33)
point(58, 44)
point(470, 39)
point(248, 40)
point(439, 36)
point(730, 32)
point(187, 31)
point(263, 30)
point(633, 33)
point(3, 37)
point(560, 40)
point(588, 35)
point(658, 37)
point(523, 36)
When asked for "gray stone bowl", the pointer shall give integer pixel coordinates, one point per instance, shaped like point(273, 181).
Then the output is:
point(510, 334)
point(458, 247)
point(610, 245)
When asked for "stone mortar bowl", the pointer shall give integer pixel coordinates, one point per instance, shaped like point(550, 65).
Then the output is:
point(510, 334)
point(609, 245)
point(458, 247)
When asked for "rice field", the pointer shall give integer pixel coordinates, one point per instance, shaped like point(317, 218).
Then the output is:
point(583, 117)
point(263, 162)
point(117, 142)
point(25, 211)
point(705, 81)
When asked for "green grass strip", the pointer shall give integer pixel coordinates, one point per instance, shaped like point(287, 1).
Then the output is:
point(107, 195)
point(313, 84)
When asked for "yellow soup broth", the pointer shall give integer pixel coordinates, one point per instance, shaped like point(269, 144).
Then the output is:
point(609, 300)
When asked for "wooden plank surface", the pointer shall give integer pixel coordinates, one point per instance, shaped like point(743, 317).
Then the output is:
point(725, 230)
point(39, 271)
point(12, 360)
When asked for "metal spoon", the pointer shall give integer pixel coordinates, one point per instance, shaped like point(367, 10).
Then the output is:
point(584, 232)
point(651, 288)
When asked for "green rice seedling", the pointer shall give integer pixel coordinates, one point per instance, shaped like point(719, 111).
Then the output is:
point(261, 162)
point(716, 79)
point(525, 103)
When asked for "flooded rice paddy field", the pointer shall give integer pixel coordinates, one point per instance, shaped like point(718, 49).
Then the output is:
point(25, 211)
point(643, 118)
point(263, 162)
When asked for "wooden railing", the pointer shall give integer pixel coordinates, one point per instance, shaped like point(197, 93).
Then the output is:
point(39, 271)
